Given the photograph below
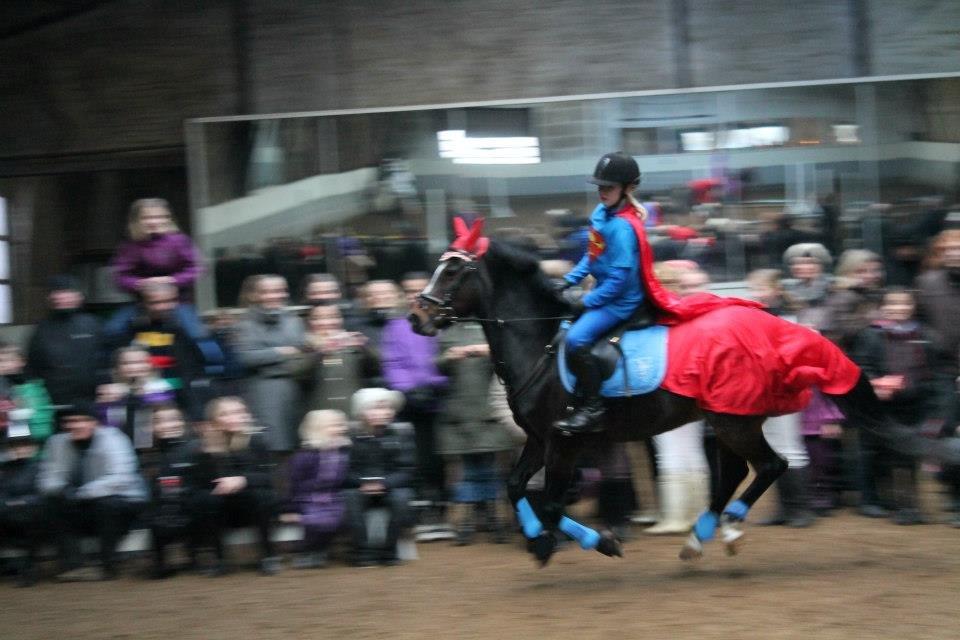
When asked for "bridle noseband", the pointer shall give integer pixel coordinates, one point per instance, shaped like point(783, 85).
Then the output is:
point(444, 305)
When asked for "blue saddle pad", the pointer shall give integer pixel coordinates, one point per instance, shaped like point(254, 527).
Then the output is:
point(641, 370)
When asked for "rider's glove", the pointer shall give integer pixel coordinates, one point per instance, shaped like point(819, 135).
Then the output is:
point(573, 296)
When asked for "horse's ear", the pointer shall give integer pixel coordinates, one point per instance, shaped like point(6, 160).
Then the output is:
point(460, 227)
point(477, 228)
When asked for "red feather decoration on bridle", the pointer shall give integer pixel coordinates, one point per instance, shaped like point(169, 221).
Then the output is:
point(469, 240)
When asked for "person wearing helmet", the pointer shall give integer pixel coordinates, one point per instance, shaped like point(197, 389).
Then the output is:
point(613, 259)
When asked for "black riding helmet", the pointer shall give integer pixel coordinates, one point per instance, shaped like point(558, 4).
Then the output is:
point(614, 169)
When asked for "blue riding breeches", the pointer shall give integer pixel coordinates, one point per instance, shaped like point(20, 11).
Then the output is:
point(589, 327)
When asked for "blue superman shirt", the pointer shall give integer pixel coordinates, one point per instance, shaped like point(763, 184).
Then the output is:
point(613, 258)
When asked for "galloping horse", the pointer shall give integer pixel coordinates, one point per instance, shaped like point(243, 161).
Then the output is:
point(502, 287)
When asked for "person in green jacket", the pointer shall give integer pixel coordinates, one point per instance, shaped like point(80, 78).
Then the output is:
point(23, 400)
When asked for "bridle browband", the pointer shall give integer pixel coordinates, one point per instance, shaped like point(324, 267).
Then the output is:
point(444, 305)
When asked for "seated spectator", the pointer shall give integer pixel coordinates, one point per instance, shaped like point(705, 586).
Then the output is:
point(89, 476)
point(157, 252)
point(23, 523)
point(64, 348)
point(170, 470)
point(341, 360)
point(380, 475)
point(23, 400)
point(126, 403)
point(234, 471)
point(317, 476)
point(904, 364)
point(272, 348)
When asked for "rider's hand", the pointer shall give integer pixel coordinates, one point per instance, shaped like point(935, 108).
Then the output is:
point(574, 298)
point(561, 285)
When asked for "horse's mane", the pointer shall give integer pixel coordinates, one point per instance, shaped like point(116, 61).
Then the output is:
point(508, 259)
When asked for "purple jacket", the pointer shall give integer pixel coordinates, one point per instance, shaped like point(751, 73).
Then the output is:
point(170, 254)
point(819, 412)
point(409, 359)
point(316, 479)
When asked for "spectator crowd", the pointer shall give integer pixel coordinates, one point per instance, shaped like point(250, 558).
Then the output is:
point(329, 414)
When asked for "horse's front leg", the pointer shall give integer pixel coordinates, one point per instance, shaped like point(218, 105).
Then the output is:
point(529, 462)
point(561, 458)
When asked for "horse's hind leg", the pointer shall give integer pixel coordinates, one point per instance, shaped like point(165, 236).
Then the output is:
point(741, 439)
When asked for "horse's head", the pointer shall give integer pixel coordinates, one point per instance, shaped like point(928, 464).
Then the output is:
point(454, 290)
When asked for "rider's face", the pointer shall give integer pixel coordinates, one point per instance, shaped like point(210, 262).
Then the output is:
point(609, 196)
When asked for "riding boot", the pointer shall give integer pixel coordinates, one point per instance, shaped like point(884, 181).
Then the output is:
point(589, 410)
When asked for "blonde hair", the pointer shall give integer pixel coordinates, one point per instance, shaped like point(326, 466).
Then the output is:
point(641, 210)
point(217, 440)
point(212, 408)
point(136, 210)
point(313, 429)
point(853, 259)
point(768, 277)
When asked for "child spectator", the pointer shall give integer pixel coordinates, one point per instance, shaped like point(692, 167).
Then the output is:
point(317, 475)
point(126, 403)
point(156, 252)
point(234, 471)
point(822, 428)
point(381, 473)
point(904, 365)
point(22, 520)
point(22, 400)
point(170, 471)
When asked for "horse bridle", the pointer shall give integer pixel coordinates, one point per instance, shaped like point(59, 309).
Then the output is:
point(446, 312)
point(444, 305)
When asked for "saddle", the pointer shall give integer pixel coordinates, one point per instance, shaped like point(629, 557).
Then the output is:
point(631, 356)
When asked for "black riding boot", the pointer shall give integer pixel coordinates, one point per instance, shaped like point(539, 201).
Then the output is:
point(589, 411)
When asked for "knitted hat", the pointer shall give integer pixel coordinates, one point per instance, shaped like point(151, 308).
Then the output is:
point(364, 398)
point(813, 250)
point(63, 282)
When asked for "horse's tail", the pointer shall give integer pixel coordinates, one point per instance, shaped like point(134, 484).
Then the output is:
point(864, 410)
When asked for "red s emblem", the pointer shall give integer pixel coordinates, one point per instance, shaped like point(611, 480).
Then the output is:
point(595, 244)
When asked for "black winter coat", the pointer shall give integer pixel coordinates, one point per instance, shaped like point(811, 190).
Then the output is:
point(64, 353)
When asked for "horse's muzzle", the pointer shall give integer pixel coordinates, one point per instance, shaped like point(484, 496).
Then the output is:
point(421, 323)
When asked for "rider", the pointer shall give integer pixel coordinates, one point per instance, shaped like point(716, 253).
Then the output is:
point(613, 259)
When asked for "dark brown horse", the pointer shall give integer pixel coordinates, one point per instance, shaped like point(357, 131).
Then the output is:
point(520, 314)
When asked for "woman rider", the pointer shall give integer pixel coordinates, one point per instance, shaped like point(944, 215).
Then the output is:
point(613, 259)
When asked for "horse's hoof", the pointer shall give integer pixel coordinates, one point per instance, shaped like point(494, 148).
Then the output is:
point(542, 547)
point(609, 545)
point(732, 536)
point(692, 548)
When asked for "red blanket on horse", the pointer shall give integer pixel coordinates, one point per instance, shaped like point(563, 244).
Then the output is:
point(746, 361)
point(735, 358)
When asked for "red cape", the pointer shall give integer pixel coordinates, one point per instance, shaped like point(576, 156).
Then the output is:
point(672, 309)
point(749, 362)
point(733, 357)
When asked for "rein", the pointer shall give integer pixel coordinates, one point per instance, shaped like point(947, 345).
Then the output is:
point(445, 310)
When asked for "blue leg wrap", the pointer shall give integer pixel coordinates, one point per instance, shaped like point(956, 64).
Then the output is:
point(529, 522)
point(706, 526)
point(587, 537)
point(737, 510)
